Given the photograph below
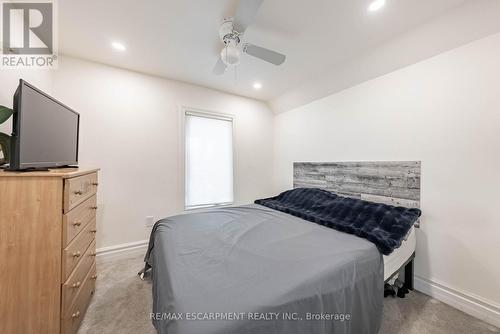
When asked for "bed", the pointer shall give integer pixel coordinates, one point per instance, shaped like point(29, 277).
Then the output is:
point(252, 269)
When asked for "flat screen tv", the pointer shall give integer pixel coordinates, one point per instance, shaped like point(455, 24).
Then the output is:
point(44, 131)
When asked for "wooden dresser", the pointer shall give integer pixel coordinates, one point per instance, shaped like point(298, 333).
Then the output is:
point(47, 249)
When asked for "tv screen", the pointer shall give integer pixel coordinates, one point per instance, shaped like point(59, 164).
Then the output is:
point(44, 132)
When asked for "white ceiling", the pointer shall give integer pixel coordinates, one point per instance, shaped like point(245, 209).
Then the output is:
point(179, 39)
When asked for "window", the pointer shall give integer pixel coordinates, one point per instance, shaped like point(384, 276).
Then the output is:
point(208, 160)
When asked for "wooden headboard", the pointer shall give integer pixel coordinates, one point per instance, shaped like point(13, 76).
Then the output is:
point(388, 182)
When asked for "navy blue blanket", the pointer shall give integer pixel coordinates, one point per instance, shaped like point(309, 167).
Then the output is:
point(384, 225)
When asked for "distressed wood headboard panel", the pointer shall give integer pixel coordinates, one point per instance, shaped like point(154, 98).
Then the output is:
point(388, 182)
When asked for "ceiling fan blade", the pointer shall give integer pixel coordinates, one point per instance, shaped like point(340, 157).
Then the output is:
point(219, 67)
point(270, 56)
point(245, 13)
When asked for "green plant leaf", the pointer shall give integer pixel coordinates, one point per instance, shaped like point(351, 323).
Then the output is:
point(5, 146)
point(5, 113)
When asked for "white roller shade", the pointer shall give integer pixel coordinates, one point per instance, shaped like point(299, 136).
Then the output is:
point(208, 160)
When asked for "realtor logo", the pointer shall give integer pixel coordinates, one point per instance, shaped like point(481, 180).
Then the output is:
point(28, 34)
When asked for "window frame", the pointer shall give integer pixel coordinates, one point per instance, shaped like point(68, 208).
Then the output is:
point(184, 111)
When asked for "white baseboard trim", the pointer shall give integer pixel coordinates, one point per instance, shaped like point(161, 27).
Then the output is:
point(465, 302)
point(122, 250)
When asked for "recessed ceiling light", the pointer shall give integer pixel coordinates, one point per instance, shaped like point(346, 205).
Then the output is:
point(376, 5)
point(118, 46)
point(257, 85)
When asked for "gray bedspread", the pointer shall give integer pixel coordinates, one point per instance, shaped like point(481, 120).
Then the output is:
point(251, 269)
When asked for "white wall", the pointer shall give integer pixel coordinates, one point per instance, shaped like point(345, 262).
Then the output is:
point(444, 111)
point(130, 128)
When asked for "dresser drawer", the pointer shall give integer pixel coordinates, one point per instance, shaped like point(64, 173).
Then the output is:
point(73, 253)
point(72, 317)
point(75, 220)
point(78, 189)
point(74, 283)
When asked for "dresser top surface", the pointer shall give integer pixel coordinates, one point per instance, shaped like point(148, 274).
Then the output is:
point(64, 173)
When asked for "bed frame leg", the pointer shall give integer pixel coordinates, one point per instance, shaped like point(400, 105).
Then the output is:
point(409, 275)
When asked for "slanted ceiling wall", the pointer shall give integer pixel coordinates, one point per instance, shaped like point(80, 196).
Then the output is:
point(463, 24)
point(445, 112)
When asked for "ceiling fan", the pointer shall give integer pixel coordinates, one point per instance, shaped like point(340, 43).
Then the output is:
point(231, 33)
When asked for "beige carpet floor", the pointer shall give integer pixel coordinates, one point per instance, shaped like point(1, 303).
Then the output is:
point(122, 305)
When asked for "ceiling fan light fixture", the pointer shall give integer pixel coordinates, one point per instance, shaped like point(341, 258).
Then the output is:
point(231, 33)
point(230, 55)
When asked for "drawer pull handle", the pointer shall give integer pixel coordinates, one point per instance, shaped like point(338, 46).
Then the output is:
point(76, 285)
point(93, 231)
point(76, 315)
point(93, 254)
point(95, 184)
point(77, 223)
point(76, 254)
point(94, 207)
point(94, 277)
point(78, 192)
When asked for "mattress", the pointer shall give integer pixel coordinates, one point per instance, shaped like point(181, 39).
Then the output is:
point(252, 260)
point(396, 259)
